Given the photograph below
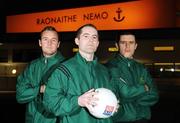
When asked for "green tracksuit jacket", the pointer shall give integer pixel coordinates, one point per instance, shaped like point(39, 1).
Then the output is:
point(62, 92)
point(128, 78)
point(27, 88)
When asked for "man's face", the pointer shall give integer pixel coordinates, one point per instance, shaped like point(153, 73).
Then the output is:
point(88, 40)
point(127, 45)
point(49, 42)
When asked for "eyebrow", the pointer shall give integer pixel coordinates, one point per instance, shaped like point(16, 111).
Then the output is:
point(90, 34)
point(85, 34)
point(127, 41)
point(48, 37)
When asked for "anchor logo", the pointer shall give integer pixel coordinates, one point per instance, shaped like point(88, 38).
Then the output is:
point(119, 19)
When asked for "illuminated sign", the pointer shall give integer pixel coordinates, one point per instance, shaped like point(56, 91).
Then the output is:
point(164, 48)
point(75, 49)
point(138, 14)
point(112, 49)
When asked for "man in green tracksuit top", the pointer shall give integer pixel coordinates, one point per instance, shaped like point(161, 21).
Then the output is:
point(28, 82)
point(71, 96)
point(134, 86)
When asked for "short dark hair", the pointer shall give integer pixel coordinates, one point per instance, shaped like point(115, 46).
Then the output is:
point(123, 33)
point(79, 30)
point(48, 28)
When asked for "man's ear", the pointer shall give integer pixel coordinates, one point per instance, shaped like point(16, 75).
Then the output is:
point(136, 45)
point(59, 43)
point(76, 41)
point(117, 46)
point(40, 43)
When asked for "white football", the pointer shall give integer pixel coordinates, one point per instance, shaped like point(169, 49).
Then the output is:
point(106, 104)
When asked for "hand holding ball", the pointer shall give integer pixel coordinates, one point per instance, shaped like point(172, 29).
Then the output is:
point(106, 103)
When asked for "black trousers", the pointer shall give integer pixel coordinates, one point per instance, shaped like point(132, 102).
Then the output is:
point(137, 121)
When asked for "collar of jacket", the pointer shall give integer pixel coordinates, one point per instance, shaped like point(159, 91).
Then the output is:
point(82, 60)
point(54, 58)
point(126, 61)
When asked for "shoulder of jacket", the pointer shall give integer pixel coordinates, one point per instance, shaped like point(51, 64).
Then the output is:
point(35, 61)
